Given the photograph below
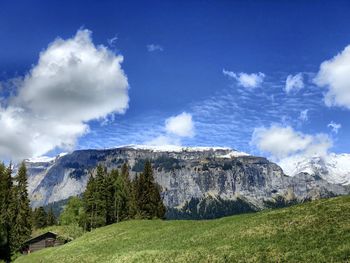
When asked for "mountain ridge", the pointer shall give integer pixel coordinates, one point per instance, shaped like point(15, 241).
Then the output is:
point(198, 182)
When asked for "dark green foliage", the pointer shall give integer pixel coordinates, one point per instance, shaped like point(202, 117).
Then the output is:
point(227, 166)
point(209, 208)
point(139, 165)
point(166, 163)
point(150, 203)
point(89, 204)
point(130, 192)
point(279, 202)
point(22, 227)
point(51, 218)
point(15, 213)
point(100, 197)
point(5, 216)
point(121, 199)
point(57, 207)
point(112, 197)
point(39, 217)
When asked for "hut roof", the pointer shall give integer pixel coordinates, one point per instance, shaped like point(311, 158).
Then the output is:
point(33, 239)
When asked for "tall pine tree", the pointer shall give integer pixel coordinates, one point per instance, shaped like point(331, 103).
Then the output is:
point(149, 200)
point(100, 197)
point(90, 204)
point(7, 213)
point(110, 197)
point(51, 219)
point(121, 199)
point(5, 189)
point(22, 224)
point(39, 217)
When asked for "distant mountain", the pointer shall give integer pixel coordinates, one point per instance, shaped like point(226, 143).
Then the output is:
point(197, 182)
point(334, 168)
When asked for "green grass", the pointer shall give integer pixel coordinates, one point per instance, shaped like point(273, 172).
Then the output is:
point(317, 231)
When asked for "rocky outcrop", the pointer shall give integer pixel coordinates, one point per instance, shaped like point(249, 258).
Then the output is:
point(194, 181)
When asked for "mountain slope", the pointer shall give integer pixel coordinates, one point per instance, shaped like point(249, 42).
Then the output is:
point(317, 231)
point(334, 168)
point(196, 182)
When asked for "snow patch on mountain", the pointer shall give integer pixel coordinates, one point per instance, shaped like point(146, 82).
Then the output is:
point(44, 159)
point(176, 148)
point(334, 168)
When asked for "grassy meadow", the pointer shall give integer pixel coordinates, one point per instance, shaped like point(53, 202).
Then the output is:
point(317, 231)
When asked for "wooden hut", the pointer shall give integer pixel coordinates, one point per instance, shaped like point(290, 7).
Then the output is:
point(48, 239)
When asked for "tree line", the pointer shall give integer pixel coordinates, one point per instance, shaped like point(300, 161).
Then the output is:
point(15, 212)
point(111, 197)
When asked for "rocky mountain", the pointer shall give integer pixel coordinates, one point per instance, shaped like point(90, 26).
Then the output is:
point(197, 182)
point(334, 168)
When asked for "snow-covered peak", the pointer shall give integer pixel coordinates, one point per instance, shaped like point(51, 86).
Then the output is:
point(44, 159)
point(335, 168)
point(172, 148)
point(176, 148)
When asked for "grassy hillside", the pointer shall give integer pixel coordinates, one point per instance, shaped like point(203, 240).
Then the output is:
point(68, 232)
point(313, 232)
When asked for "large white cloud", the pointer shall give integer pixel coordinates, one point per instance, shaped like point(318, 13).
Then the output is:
point(283, 141)
point(334, 74)
point(73, 82)
point(294, 83)
point(246, 80)
point(288, 147)
point(180, 125)
point(176, 128)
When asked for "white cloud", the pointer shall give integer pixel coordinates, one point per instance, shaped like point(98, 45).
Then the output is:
point(283, 141)
point(112, 41)
point(334, 126)
point(294, 83)
point(154, 47)
point(245, 80)
point(180, 125)
point(176, 128)
point(304, 115)
point(73, 82)
point(334, 74)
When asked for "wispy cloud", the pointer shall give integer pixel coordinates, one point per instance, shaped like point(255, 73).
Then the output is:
point(334, 126)
point(303, 117)
point(246, 80)
point(294, 83)
point(154, 47)
point(112, 41)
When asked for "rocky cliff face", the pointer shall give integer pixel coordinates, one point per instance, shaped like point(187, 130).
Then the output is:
point(203, 181)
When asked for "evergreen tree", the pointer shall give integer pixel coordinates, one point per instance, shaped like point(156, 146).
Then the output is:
point(7, 213)
point(121, 199)
point(5, 189)
point(40, 217)
point(149, 200)
point(22, 224)
point(100, 197)
point(90, 204)
point(51, 219)
point(110, 196)
point(130, 193)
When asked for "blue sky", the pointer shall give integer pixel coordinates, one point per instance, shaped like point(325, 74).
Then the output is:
point(175, 54)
